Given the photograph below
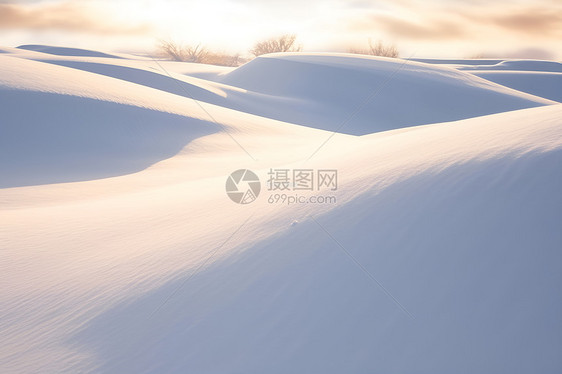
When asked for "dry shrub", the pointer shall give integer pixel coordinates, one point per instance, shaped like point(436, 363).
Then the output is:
point(284, 43)
point(177, 52)
point(377, 49)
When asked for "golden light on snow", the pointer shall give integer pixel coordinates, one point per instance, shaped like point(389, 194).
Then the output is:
point(133, 239)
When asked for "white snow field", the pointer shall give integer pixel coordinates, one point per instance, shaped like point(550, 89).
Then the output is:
point(122, 253)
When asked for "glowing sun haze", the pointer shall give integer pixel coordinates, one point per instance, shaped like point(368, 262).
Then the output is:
point(431, 28)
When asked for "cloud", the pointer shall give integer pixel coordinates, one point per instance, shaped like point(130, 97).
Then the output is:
point(531, 21)
point(65, 17)
point(542, 19)
point(468, 19)
point(433, 29)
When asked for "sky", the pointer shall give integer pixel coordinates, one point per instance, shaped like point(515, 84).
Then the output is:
point(429, 28)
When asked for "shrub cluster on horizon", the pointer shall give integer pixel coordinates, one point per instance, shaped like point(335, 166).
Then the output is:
point(198, 54)
point(377, 49)
point(284, 43)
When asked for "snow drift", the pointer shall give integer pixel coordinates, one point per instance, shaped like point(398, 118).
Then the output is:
point(64, 51)
point(540, 78)
point(121, 252)
point(324, 91)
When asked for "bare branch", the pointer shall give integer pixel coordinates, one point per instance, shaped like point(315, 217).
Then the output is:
point(378, 49)
point(284, 43)
point(198, 54)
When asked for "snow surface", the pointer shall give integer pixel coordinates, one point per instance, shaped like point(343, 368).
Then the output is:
point(64, 51)
point(522, 65)
point(121, 252)
point(539, 83)
point(445, 61)
point(537, 77)
point(322, 90)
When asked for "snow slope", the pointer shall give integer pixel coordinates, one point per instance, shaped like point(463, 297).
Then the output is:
point(522, 65)
point(540, 78)
point(539, 83)
point(442, 253)
point(322, 90)
point(445, 61)
point(64, 51)
point(305, 89)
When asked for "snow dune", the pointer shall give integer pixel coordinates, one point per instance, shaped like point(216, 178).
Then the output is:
point(63, 51)
point(539, 83)
point(121, 252)
point(522, 65)
point(477, 61)
point(42, 128)
point(540, 78)
point(105, 139)
point(322, 90)
point(463, 242)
